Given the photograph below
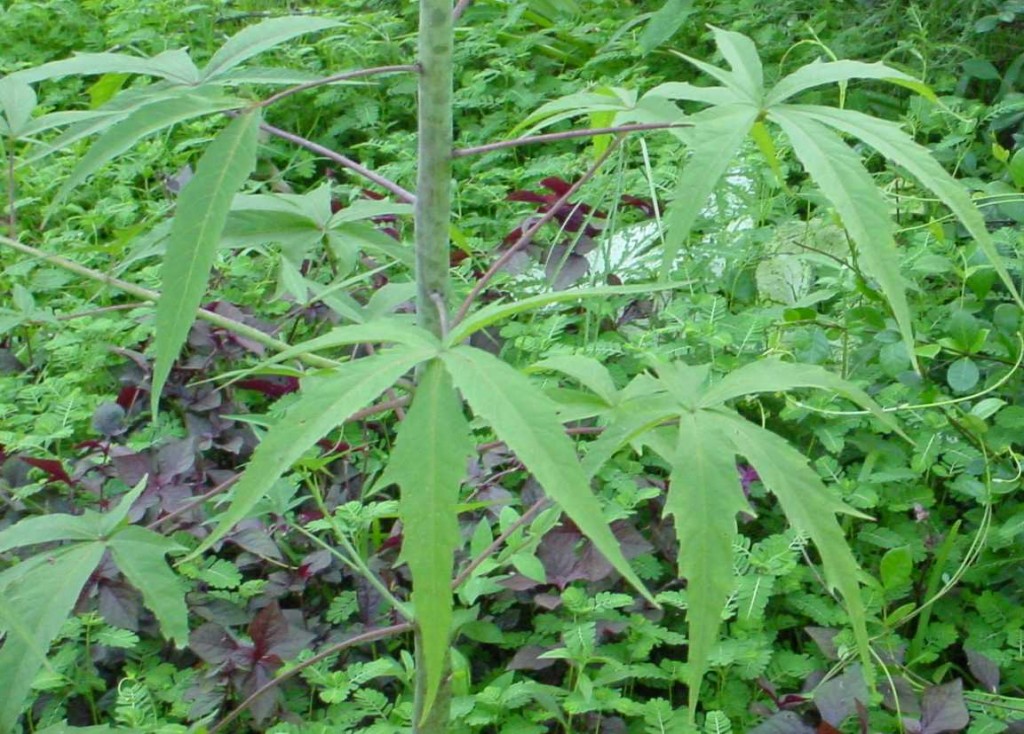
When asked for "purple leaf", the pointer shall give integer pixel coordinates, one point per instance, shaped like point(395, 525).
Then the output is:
point(984, 669)
point(784, 722)
point(836, 699)
point(528, 658)
point(943, 708)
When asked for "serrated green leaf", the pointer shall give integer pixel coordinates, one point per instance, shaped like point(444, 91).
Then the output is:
point(261, 37)
point(586, 370)
point(773, 375)
point(665, 22)
point(693, 93)
point(429, 463)
point(384, 330)
point(174, 65)
point(325, 401)
point(110, 520)
point(42, 597)
point(139, 554)
point(889, 139)
point(818, 73)
point(141, 123)
point(704, 497)
point(525, 419)
point(715, 138)
point(808, 506)
point(841, 176)
point(50, 529)
point(17, 101)
point(495, 312)
point(202, 210)
point(741, 54)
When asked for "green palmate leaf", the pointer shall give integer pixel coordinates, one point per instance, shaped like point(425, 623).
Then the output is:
point(625, 424)
point(139, 554)
point(202, 210)
point(586, 370)
point(665, 22)
point(818, 73)
point(325, 401)
point(141, 123)
point(704, 497)
point(41, 595)
point(428, 463)
point(175, 66)
point(495, 312)
point(715, 138)
point(524, 418)
point(386, 329)
point(773, 375)
point(808, 505)
point(838, 171)
point(693, 93)
point(50, 529)
point(892, 142)
point(741, 54)
point(17, 100)
point(261, 37)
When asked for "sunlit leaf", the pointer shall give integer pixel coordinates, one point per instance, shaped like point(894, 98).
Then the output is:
point(256, 39)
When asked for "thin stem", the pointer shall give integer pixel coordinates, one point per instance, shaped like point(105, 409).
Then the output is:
point(371, 636)
point(341, 160)
point(194, 503)
point(335, 78)
point(527, 235)
point(148, 295)
point(487, 552)
point(567, 135)
point(12, 215)
point(460, 8)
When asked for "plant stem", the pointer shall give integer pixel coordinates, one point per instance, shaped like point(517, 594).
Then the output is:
point(432, 709)
point(341, 160)
point(433, 183)
point(530, 231)
point(148, 295)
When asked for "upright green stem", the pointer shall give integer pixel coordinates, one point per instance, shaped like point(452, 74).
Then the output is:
point(433, 213)
point(433, 181)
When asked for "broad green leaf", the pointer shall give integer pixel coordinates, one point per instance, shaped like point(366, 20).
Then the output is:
point(325, 401)
point(841, 176)
point(384, 330)
point(17, 100)
point(495, 312)
point(896, 567)
point(139, 554)
point(963, 374)
point(59, 119)
point(808, 506)
point(715, 138)
point(704, 497)
point(603, 99)
point(202, 209)
point(174, 65)
point(693, 93)
point(741, 54)
point(525, 420)
point(42, 600)
point(50, 529)
point(627, 423)
point(665, 22)
point(773, 375)
point(729, 79)
point(818, 73)
point(261, 37)
point(585, 370)
point(141, 123)
point(684, 382)
point(889, 139)
point(428, 463)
